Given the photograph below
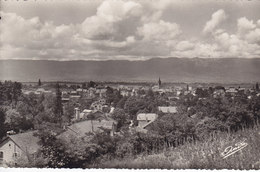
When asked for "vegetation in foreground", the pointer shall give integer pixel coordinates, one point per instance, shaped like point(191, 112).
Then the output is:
point(201, 154)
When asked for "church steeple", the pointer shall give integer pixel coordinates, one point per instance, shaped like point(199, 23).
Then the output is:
point(159, 83)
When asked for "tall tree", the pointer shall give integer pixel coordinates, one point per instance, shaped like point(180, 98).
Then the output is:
point(16, 91)
point(84, 85)
point(10, 92)
point(159, 83)
point(150, 93)
point(91, 84)
point(2, 124)
point(58, 110)
point(121, 117)
point(257, 87)
point(39, 82)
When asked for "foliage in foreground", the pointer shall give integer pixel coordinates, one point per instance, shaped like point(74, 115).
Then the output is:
point(200, 155)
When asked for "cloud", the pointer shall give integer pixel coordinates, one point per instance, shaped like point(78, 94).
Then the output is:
point(160, 31)
point(248, 30)
point(244, 25)
point(111, 16)
point(184, 46)
point(98, 34)
point(216, 18)
point(253, 36)
point(236, 45)
point(120, 29)
point(245, 43)
point(115, 11)
point(258, 23)
point(32, 33)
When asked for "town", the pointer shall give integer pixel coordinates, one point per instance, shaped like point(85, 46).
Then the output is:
point(129, 84)
point(78, 125)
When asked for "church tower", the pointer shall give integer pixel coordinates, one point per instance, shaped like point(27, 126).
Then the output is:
point(159, 83)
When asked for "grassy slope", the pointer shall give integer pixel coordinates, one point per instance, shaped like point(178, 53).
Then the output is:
point(204, 155)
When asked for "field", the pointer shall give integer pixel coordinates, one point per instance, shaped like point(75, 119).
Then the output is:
point(201, 155)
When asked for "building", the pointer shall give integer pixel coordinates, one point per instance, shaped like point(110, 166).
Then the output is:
point(231, 91)
point(83, 114)
point(167, 109)
point(91, 93)
point(173, 98)
point(77, 112)
point(82, 128)
point(125, 93)
point(101, 92)
point(99, 105)
point(145, 119)
point(65, 99)
point(219, 92)
point(18, 147)
point(158, 87)
point(38, 91)
point(79, 90)
point(41, 91)
point(112, 109)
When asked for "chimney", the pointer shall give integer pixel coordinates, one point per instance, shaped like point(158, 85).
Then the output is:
point(76, 113)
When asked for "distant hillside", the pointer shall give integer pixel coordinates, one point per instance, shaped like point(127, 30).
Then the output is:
point(169, 69)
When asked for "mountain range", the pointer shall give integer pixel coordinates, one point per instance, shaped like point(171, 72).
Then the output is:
point(221, 70)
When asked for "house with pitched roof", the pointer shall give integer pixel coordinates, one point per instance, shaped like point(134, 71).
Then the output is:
point(83, 114)
point(17, 147)
point(99, 105)
point(83, 128)
point(167, 109)
point(145, 119)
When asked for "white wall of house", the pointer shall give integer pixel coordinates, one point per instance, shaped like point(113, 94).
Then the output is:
point(142, 123)
point(11, 152)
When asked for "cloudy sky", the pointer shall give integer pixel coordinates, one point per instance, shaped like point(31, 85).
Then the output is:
point(133, 30)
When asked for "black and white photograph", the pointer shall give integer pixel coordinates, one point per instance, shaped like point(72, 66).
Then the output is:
point(130, 84)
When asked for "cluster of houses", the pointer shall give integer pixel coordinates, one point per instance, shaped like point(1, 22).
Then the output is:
point(135, 90)
point(37, 91)
point(17, 147)
point(100, 91)
point(68, 94)
point(173, 92)
point(23, 146)
point(232, 92)
point(145, 119)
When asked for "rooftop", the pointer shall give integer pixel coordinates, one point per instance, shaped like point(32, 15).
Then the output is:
point(147, 116)
point(81, 128)
point(26, 141)
point(168, 109)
